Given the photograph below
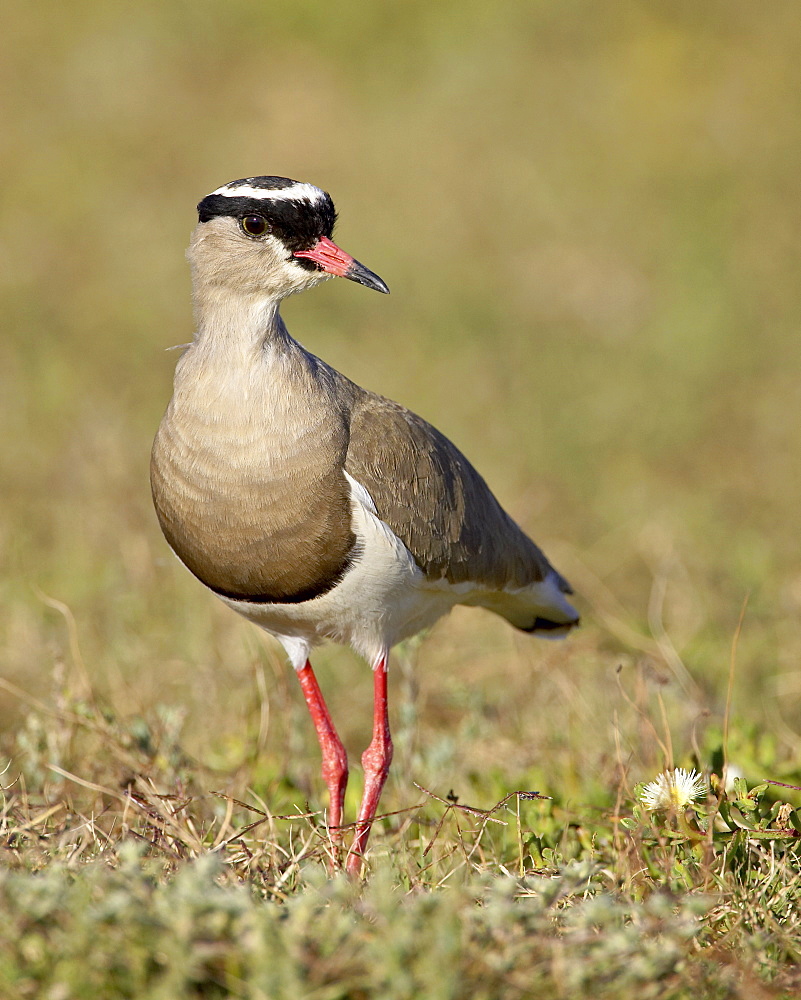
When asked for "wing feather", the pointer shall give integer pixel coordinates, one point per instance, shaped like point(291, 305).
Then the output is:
point(436, 503)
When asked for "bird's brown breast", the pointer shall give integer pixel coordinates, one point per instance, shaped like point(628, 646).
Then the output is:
point(249, 528)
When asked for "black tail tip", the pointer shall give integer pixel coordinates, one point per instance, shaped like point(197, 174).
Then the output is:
point(545, 626)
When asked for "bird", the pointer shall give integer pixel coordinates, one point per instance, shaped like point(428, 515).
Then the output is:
point(317, 509)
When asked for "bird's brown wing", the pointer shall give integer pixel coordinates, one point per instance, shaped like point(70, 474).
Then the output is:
point(435, 501)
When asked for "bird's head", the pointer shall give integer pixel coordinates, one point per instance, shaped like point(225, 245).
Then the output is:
point(270, 236)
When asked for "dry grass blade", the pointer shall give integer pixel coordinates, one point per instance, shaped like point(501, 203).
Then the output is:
point(469, 810)
point(485, 816)
point(86, 687)
point(91, 785)
point(262, 812)
point(40, 818)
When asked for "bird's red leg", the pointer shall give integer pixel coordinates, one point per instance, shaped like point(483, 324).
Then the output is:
point(375, 760)
point(335, 760)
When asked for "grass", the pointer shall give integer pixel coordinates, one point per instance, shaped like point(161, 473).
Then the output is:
point(587, 214)
point(132, 879)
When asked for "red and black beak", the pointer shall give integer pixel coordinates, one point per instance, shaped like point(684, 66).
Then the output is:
point(332, 260)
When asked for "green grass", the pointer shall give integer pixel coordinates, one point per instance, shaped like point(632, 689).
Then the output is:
point(588, 215)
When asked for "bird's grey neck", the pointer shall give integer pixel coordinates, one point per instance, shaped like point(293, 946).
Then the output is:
point(237, 322)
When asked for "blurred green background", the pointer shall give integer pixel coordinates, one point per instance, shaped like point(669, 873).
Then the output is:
point(587, 213)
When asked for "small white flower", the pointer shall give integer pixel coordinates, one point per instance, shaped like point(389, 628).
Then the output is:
point(673, 789)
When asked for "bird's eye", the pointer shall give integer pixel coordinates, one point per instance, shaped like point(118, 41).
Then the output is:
point(254, 225)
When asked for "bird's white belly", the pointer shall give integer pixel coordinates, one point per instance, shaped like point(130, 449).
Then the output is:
point(382, 598)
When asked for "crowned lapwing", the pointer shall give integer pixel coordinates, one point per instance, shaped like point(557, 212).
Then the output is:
point(317, 509)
